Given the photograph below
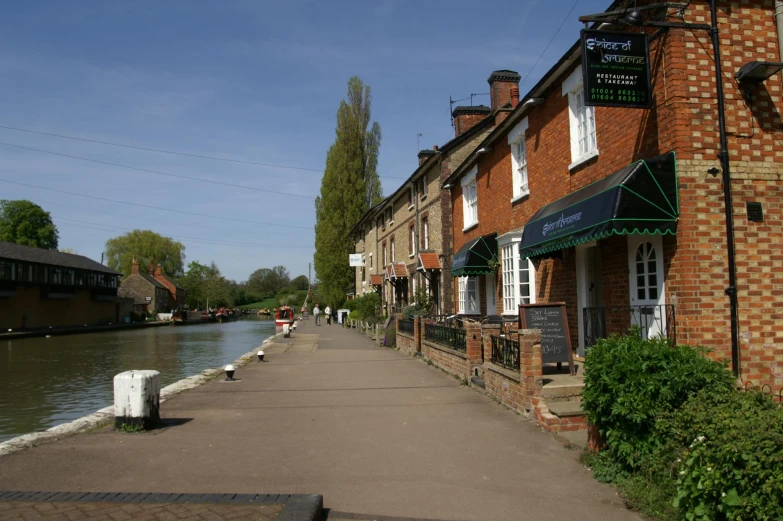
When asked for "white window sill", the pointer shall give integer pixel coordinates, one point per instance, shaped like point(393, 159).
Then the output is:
point(466, 313)
point(411, 255)
point(410, 207)
point(520, 197)
point(583, 159)
point(423, 197)
point(470, 227)
point(391, 223)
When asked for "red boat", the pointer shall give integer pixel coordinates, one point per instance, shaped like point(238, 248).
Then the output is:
point(284, 315)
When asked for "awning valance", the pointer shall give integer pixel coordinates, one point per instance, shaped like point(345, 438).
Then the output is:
point(474, 257)
point(640, 198)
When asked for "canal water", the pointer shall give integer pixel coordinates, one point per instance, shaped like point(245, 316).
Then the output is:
point(48, 381)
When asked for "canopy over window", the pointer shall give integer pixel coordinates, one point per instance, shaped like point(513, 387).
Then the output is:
point(474, 257)
point(640, 198)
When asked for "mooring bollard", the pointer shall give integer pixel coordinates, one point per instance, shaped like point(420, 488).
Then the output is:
point(137, 399)
point(286, 331)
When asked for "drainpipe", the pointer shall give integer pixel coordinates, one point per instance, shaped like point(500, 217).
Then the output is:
point(723, 155)
point(779, 23)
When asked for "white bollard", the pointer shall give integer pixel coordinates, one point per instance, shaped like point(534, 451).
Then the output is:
point(286, 331)
point(137, 399)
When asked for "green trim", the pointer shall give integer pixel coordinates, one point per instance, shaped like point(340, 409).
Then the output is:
point(557, 245)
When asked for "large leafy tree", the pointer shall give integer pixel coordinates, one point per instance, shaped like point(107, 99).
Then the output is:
point(300, 282)
point(204, 285)
point(147, 247)
point(267, 281)
point(350, 186)
point(24, 222)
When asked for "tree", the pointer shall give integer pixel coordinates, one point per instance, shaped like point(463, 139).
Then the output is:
point(267, 281)
point(300, 282)
point(147, 247)
point(204, 284)
point(24, 222)
point(69, 250)
point(350, 186)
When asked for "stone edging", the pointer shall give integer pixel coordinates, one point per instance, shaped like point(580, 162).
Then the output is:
point(106, 415)
point(296, 507)
point(454, 352)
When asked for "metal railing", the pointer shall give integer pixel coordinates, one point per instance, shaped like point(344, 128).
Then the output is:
point(505, 352)
point(764, 389)
point(446, 336)
point(652, 321)
point(406, 326)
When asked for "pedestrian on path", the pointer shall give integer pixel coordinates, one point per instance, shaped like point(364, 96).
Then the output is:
point(328, 312)
point(317, 315)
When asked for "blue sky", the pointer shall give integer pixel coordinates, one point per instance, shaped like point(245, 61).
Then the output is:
point(248, 80)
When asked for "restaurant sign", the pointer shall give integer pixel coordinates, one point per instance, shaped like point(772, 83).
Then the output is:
point(616, 69)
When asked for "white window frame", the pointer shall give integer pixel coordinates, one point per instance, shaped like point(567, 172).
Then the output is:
point(423, 190)
point(412, 197)
point(512, 266)
point(469, 200)
point(391, 249)
point(425, 226)
point(371, 261)
point(412, 240)
point(467, 305)
point(519, 174)
point(584, 142)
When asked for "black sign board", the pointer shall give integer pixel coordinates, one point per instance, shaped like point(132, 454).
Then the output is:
point(616, 69)
point(555, 339)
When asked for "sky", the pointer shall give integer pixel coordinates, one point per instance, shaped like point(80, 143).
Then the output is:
point(254, 82)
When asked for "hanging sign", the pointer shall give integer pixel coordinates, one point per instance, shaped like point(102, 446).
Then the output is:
point(355, 259)
point(616, 69)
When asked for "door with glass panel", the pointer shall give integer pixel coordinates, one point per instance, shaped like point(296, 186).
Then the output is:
point(645, 264)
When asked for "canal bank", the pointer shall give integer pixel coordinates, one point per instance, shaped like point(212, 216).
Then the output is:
point(77, 330)
point(45, 382)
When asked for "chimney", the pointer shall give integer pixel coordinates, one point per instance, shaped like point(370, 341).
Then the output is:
point(466, 118)
point(158, 271)
point(425, 155)
point(500, 84)
point(134, 267)
point(152, 269)
point(514, 97)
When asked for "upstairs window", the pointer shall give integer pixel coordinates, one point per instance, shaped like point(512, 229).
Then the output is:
point(469, 200)
point(423, 187)
point(385, 257)
point(518, 143)
point(392, 249)
point(584, 144)
point(411, 196)
point(411, 240)
point(425, 233)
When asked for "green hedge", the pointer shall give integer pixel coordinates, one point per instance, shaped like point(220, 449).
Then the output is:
point(630, 381)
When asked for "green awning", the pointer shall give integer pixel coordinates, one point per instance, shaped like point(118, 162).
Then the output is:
point(640, 198)
point(474, 258)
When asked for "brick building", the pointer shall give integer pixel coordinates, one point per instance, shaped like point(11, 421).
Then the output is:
point(407, 238)
point(144, 285)
point(619, 212)
point(177, 295)
point(42, 288)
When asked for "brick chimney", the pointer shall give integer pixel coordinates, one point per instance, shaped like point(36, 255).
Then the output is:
point(158, 271)
point(152, 269)
point(500, 84)
point(425, 155)
point(466, 118)
point(134, 267)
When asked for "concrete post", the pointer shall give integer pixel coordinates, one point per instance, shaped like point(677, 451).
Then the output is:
point(137, 399)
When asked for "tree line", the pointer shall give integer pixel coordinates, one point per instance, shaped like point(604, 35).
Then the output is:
point(26, 223)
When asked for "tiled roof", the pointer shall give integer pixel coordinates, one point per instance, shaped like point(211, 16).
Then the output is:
point(400, 272)
point(429, 260)
point(9, 250)
point(376, 280)
point(126, 292)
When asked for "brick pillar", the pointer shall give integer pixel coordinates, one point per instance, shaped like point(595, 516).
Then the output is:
point(490, 330)
point(475, 345)
point(530, 365)
point(417, 334)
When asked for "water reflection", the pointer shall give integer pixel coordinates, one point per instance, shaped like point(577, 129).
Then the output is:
point(48, 381)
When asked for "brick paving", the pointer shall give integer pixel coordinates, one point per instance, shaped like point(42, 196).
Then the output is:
point(75, 511)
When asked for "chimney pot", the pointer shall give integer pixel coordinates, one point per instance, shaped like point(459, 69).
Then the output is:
point(514, 96)
point(134, 266)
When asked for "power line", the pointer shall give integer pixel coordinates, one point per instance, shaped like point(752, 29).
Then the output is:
point(196, 239)
point(153, 207)
point(162, 151)
point(156, 171)
point(200, 226)
point(550, 42)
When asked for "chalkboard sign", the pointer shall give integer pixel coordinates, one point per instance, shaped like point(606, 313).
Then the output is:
point(555, 338)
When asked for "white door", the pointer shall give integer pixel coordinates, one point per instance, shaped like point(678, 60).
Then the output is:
point(645, 267)
point(492, 307)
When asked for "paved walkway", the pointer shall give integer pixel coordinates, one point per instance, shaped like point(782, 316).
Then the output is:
point(375, 431)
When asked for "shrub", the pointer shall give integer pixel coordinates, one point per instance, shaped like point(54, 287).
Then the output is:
point(367, 305)
point(390, 336)
point(730, 464)
point(629, 382)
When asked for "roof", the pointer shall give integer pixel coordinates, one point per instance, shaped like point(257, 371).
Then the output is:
point(148, 278)
point(428, 260)
point(127, 292)
point(504, 75)
point(473, 109)
point(9, 250)
point(396, 270)
point(376, 280)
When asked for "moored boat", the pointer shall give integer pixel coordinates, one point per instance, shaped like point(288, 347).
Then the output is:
point(284, 315)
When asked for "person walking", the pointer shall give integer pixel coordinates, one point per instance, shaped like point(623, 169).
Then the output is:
point(317, 315)
point(328, 312)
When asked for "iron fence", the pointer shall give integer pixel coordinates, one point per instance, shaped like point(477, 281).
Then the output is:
point(505, 352)
point(764, 389)
point(406, 326)
point(652, 321)
point(446, 336)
